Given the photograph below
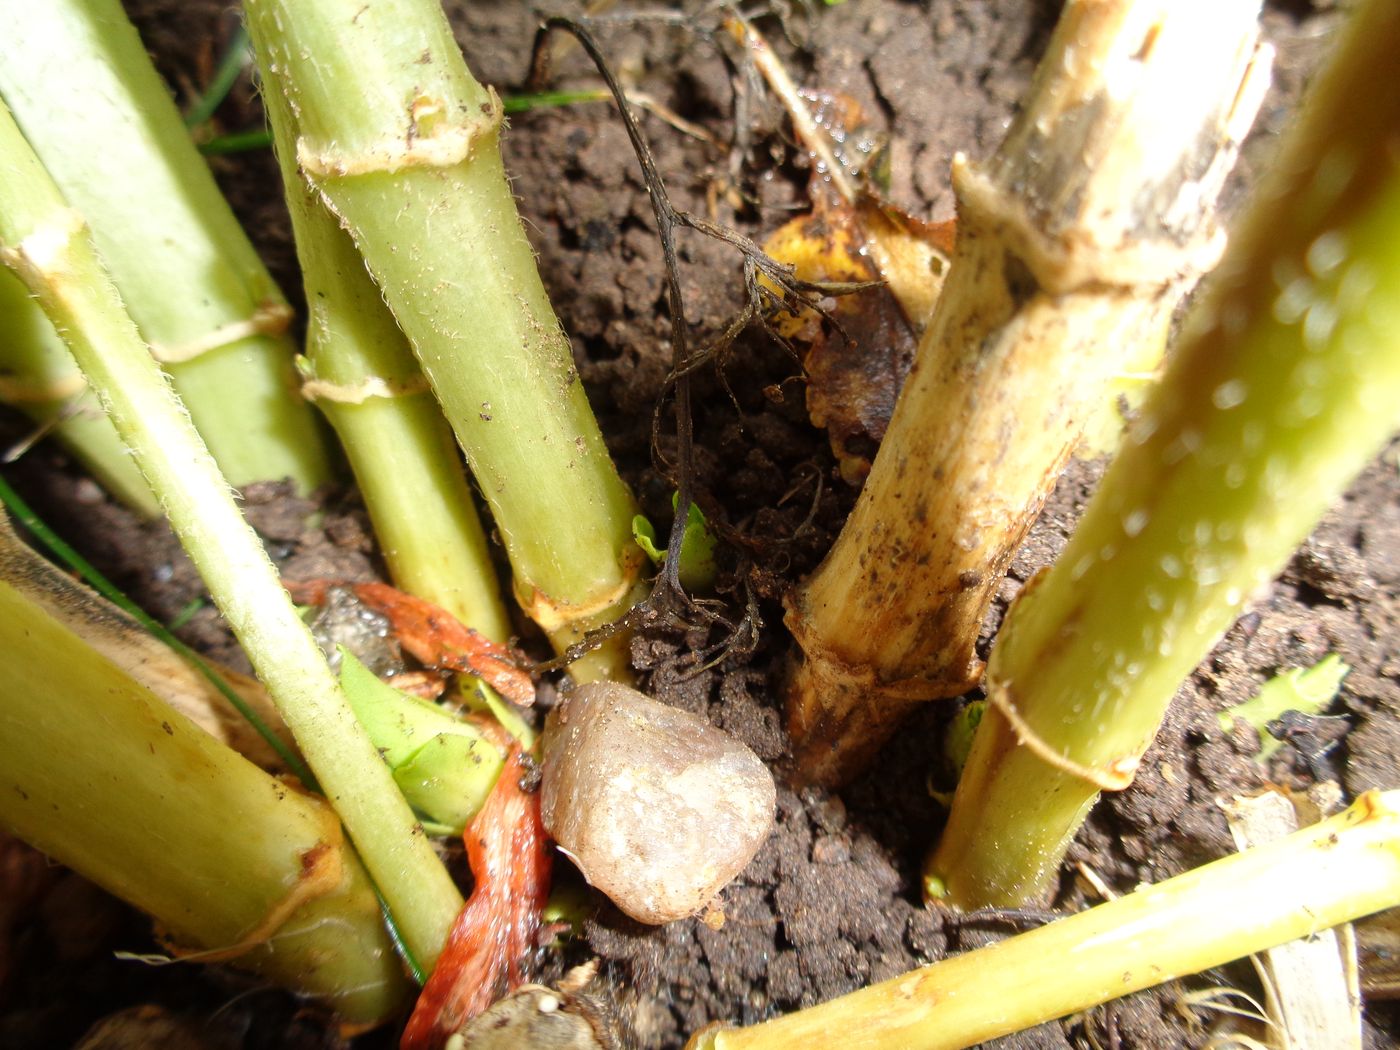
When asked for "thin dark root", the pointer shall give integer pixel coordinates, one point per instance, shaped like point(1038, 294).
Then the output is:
point(668, 601)
point(1018, 918)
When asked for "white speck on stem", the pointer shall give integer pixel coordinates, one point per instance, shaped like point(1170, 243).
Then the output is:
point(1326, 253)
point(1229, 394)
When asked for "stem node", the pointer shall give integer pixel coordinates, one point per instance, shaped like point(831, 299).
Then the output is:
point(428, 142)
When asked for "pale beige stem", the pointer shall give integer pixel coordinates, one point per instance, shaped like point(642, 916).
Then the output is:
point(1075, 242)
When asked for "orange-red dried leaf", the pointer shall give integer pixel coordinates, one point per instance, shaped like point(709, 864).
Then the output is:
point(432, 635)
point(437, 638)
point(489, 947)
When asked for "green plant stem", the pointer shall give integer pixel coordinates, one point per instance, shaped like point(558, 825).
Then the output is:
point(1284, 386)
point(47, 244)
point(236, 142)
point(1075, 243)
point(401, 144)
point(105, 778)
point(38, 377)
point(361, 373)
point(1333, 872)
point(82, 88)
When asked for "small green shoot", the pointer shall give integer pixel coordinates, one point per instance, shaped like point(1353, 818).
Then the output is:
point(185, 615)
point(480, 697)
point(237, 142)
point(445, 767)
point(236, 56)
point(697, 568)
point(1305, 689)
point(401, 948)
point(570, 904)
point(957, 745)
point(957, 742)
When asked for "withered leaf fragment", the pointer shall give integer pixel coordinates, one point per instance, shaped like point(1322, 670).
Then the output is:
point(495, 933)
point(859, 347)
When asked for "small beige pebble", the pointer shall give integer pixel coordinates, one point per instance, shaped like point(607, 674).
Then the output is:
point(658, 808)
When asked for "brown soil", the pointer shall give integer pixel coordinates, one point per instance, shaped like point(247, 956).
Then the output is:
point(831, 903)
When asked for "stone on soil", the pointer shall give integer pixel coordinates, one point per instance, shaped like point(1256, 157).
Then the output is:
point(657, 808)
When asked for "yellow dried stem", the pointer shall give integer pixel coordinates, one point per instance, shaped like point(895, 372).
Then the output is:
point(1330, 873)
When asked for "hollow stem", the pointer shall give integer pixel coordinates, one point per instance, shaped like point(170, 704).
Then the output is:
point(104, 777)
point(80, 85)
point(1075, 242)
point(48, 246)
point(1341, 869)
point(361, 373)
point(1284, 386)
point(38, 377)
point(401, 144)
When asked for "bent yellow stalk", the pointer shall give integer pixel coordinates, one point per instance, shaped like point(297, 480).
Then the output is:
point(1284, 386)
point(1341, 869)
point(47, 244)
point(401, 143)
point(234, 865)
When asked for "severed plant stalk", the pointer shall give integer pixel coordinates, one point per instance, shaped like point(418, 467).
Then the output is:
point(232, 708)
point(1284, 386)
point(104, 777)
point(38, 377)
point(401, 144)
point(1076, 240)
point(78, 80)
point(360, 371)
point(1341, 869)
point(47, 244)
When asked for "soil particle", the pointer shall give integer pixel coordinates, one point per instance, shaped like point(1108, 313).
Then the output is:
point(1373, 754)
